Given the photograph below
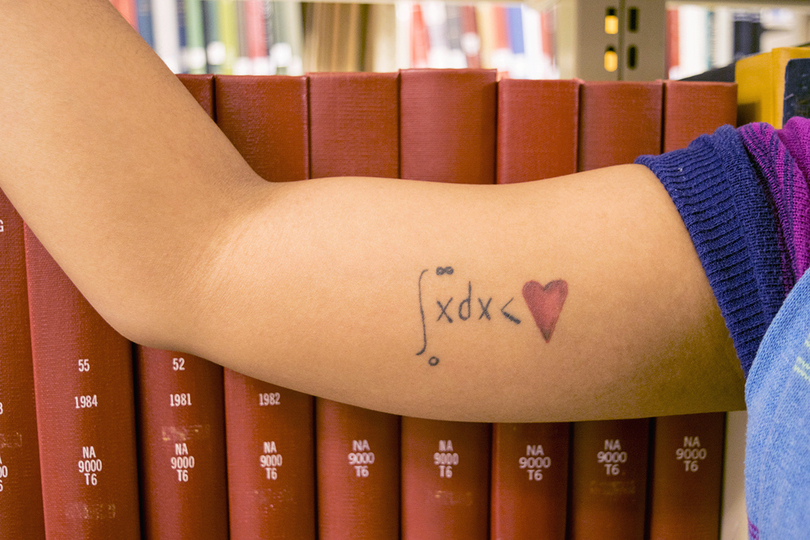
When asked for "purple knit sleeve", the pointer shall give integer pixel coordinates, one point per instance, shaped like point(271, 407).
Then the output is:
point(781, 159)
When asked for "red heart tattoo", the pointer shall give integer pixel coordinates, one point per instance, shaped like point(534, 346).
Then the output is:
point(545, 303)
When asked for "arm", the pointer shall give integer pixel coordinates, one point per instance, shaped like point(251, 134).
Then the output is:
point(330, 286)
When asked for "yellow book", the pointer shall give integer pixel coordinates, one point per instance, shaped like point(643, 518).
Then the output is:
point(761, 85)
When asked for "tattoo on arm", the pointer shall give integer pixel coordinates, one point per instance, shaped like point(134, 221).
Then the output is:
point(544, 302)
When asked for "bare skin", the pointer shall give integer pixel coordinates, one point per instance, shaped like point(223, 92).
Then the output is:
point(340, 287)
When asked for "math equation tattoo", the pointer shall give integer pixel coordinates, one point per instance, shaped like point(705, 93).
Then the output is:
point(544, 303)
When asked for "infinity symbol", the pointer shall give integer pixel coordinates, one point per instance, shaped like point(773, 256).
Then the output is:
point(440, 271)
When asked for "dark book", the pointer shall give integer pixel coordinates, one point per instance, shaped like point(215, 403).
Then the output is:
point(797, 89)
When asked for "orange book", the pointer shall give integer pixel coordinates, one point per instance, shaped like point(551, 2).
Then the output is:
point(354, 131)
point(447, 134)
point(182, 428)
point(21, 512)
point(270, 430)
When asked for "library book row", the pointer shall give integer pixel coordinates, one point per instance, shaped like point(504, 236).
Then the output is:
point(102, 438)
point(269, 37)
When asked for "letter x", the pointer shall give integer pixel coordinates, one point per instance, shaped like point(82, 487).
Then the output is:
point(444, 310)
point(484, 309)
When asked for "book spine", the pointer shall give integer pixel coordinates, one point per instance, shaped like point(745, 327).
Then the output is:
point(445, 465)
point(270, 430)
point(358, 459)
point(440, 106)
point(271, 469)
point(687, 477)
point(21, 511)
point(182, 446)
point(692, 109)
point(420, 42)
point(182, 428)
point(445, 479)
point(85, 409)
point(145, 21)
point(228, 34)
point(609, 479)
point(688, 450)
point(619, 121)
point(288, 48)
point(194, 53)
point(165, 31)
point(354, 121)
point(470, 39)
point(257, 48)
point(214, 47)
point(537, 129)
point(529, 481)
point(537, 138)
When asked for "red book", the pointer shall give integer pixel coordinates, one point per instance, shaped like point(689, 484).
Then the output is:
point(537, 138)
point(128, 10)
point(687, 476)
point(420, 42)
point(672, 41)
point(609, 480)
point(470, 38)
point(445, 479)
point(447, 125)
point(529, 481)
point(182, 429)
point(85, 409)
point(354, 131)
point(688, 450)
point(619, 121)
point(354, 124)
point(447, 130)
point(693, 108)
point(20, 491)
point(270, 430)
point(537, 129)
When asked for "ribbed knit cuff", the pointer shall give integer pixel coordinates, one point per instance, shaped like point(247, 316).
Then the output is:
point(727, 214)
